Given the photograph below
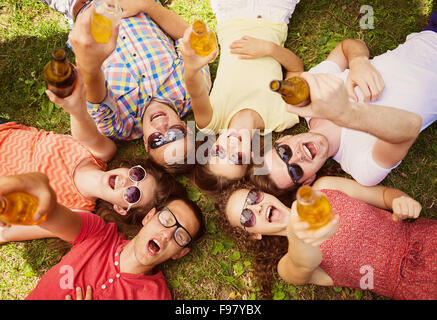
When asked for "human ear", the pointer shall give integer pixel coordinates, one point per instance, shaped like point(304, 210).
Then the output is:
point(181, 253)
point(148, 216)
point(120, 210)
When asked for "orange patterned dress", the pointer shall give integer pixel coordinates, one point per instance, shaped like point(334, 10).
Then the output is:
point(27, 149)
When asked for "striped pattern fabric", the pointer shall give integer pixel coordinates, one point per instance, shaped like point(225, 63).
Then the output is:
point(26, 149)
point(145, 65)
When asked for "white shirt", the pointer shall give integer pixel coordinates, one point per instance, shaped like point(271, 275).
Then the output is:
point(410, 76)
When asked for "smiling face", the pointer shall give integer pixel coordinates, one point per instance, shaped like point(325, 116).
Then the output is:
point(160, 118)
point(114, 183)
point(310, 152)
point(268, 216)
point(230, 155)
point(155, 243)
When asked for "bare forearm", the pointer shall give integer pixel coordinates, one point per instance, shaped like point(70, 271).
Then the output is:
point(390, 194)
point(354, 50)
point(304, 255)
point(95, 85)
point(168, 20)
point(389, 124)
point(290, 61)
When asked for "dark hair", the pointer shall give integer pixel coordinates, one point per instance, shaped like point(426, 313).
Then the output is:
point(175, 168)
point(265, 183)
point(266, 252)
point(166, 186)
point(194, 208)
point(205, 179)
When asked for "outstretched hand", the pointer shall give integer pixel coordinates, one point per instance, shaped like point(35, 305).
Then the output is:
point(193, 62)
point(367, 78)
point(74, 103)
point(90, 54)
point(300, 230)
point(329, 98)
point(36, 184)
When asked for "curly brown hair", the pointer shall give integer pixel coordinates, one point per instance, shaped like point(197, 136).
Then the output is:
point(266, 252)
point(166, 187)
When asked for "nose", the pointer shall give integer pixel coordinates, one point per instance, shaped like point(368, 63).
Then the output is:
point(167, 234)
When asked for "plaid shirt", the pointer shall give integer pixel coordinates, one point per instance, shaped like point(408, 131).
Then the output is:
point(144, 66)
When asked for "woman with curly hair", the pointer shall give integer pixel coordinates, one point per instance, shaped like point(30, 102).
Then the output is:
point(363, 246)
point(76, 167)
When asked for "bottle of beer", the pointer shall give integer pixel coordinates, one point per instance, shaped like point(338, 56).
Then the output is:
point(294, 90)
point(313, 207)
point(202, 40)
point(60, 74)
point(19, 208)
point(106, 14)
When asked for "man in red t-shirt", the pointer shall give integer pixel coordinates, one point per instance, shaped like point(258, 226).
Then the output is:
point(101, 258)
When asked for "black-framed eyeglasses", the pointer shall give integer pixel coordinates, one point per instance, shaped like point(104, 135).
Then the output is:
point(247, 217)
point(132, 194)
point(157, 139)
point(168, 220)
point(294, 170)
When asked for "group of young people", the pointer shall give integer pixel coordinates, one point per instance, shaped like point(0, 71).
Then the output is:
point(364, 113)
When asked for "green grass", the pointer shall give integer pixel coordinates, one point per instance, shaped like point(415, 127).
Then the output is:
point(219, 267)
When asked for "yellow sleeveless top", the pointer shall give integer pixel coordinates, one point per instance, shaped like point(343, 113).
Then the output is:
point(244, 84)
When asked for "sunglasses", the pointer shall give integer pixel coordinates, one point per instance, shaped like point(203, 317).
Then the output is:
point(157, 139)
point(217, 151)
point(247, 217)
point(168, 220)
point(294, 170)
point(132, 194)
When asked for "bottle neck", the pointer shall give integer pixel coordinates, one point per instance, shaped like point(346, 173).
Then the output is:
point(199, 27)
point(3, 204)
point(59, 64)
point(305, 195)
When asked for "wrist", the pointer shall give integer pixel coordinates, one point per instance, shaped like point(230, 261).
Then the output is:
point(354, 61)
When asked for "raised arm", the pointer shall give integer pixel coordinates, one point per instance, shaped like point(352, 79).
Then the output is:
point(301, 263)
point(253, 48)
point(353, 54)
point(60, 222)
point(396, 129)
point(83, 127)
point(168, 20)
point(194, 81)
point(402, 205)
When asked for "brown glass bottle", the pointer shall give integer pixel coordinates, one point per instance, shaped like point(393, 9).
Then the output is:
point(59, 74)
point(294, 90)
point(19, 208)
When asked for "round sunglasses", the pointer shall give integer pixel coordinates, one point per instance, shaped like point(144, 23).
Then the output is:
point(247, 217)
point(294, 170)
point(132, 194)
point(157, 139)
point(168, 220)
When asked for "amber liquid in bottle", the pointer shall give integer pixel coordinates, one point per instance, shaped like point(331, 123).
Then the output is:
point(294, 90)
point(106, 14)
point(313, 207)
point(59, 74)
point(202, 40)
point(19, 208)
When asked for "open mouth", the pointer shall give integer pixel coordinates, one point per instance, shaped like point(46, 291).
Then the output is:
point(273, 214)
point(111, 181)
point(153, 247)
point(156, 115)
point(310, 150)
point(235, 135)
